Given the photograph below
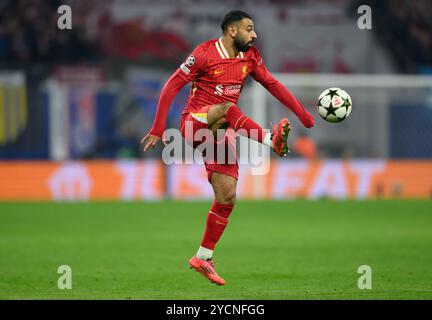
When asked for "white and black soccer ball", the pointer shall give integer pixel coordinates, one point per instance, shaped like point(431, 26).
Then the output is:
point(334, 105)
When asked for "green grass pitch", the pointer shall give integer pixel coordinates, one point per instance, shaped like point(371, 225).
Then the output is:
point(270, 250)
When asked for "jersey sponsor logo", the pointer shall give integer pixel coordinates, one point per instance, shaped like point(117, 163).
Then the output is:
point(221, 90)
point(235, 89)
point(190, 61)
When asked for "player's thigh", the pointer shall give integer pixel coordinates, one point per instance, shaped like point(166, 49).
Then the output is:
point(216, 115)
point(224, 187)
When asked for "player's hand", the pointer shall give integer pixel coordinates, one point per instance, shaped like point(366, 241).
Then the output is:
point(150, 141)
point(307, 119)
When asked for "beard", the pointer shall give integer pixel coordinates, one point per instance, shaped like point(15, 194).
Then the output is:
point(242, 45)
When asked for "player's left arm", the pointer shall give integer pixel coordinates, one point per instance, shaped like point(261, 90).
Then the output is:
point(261, 74)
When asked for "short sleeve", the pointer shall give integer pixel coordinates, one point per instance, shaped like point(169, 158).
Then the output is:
point(194, 64)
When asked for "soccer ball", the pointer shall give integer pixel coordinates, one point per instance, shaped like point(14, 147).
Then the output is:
point(334, 105)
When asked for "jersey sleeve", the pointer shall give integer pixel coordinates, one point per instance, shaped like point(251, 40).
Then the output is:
point(194, 65)
point(174, 84)
point(189, 70)
point(261, 74)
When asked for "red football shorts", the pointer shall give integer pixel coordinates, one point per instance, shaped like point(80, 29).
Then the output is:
point(190, 123)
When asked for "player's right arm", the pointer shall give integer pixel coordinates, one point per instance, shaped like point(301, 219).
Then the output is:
point(174, 84)
point(187, 71)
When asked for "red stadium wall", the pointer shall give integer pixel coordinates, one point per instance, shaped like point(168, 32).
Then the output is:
point(152, 180)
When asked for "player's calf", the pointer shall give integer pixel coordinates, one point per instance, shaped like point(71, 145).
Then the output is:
point(227, 114)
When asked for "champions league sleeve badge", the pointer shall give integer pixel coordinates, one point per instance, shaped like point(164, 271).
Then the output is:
point(190, 61)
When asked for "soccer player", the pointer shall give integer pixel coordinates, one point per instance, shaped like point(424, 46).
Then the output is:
point(218, 69)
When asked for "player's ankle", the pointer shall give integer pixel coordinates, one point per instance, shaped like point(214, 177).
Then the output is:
point(204, 253)
point(268, 140)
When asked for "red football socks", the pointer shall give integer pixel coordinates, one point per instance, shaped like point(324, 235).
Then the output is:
point(238, 120)
point(217, 220)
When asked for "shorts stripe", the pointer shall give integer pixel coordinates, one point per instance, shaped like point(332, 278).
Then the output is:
point(201, 117)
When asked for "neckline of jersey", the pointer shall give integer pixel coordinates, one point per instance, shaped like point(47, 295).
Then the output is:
point(223, 52)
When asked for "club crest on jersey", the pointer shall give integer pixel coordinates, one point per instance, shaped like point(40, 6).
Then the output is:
point(244, 71)
point(190, 61)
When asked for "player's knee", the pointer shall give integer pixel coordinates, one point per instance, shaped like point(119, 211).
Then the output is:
point(216, 116)
point(219, 124)
point(229, 197)
point(226, 105)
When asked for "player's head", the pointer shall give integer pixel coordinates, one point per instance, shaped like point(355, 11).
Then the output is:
point(240, 27)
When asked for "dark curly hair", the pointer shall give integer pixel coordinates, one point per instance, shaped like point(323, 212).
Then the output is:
point(233, 16)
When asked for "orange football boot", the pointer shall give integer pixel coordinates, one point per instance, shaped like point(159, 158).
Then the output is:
point(206, 268)
point(280, 137)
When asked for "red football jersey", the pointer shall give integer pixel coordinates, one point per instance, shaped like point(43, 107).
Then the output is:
point(216, 77)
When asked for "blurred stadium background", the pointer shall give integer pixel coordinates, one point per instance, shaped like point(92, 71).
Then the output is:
point(90, 93)
point(74, 105)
